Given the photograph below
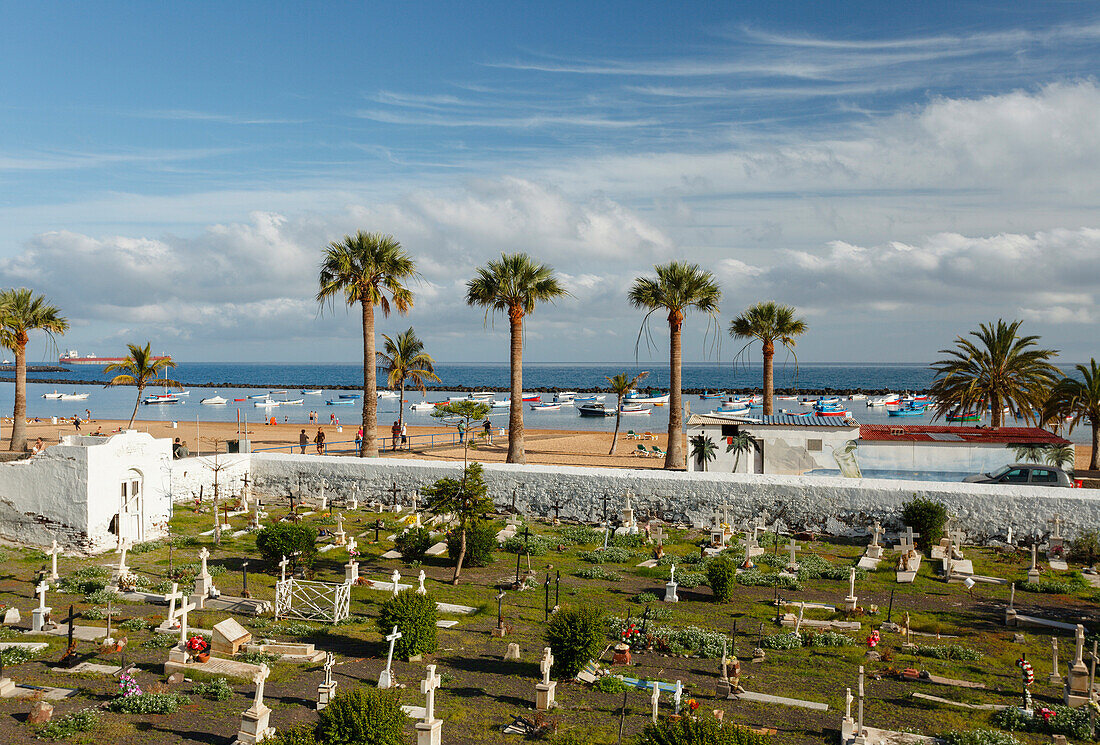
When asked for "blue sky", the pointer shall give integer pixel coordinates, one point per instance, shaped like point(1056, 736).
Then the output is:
point(898, 173)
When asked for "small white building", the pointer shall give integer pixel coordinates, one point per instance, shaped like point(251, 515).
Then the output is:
point(781, 444)
point(89, 492)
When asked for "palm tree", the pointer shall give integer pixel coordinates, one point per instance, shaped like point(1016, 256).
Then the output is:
point(513, 286)
point(1060, 456)
point(739, 443)
point(139, 368)
point(620, 386)
point(404, 359)
point(369, 269)
point(996, 369)
point(21, 312)
point(1029, 452)
point(678, 288)
point(703, 450)
point(1078, 400)
point(768, 322)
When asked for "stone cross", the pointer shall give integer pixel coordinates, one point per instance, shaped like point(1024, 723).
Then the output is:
point(53, 562)
point(677, 695)
point(256, 514)
point(171, 598)
point(420, 590)
point(324, 500)
point(204, 554)
point(659, 535)
point(545, 665)
point(339, 522)
point(1055, 678)
point(1034, 555)
point(122, 568)
point(259, 678)
point(428, 687)
point(41, 590)
point(907, 539)
point(876, 531)
point(282, 569)
point(848, 699)
point(958, 537)
point(725, 660)
point(353, 545)
point(1012, 596)
point(395, 577)
point(907, 632)
point(672, 573)
point(801, 611)
point(185, 606)
point(793, 547)
point(1079, 638)
point(385, 680)
point(1057, 523)
point(655, 700)
point(859, 723)
point(852, 582)
point(330, 660)
point(355, 495)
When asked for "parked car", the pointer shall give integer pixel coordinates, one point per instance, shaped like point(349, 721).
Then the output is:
point(1026, 473)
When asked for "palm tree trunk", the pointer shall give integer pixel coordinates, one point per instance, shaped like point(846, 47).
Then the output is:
point(995, 413)
point(618, 418)
point(133, 414)
point(675, 452)
point(1094, 459)
point(515, 408)
point(769, 376)
point(461, 555)
point(370, 386)
point(401, 404)
point(19, 417)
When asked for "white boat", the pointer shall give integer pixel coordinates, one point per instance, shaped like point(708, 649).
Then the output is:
point(482, 395)
point(266, 403)
point(160, 399)
point(292, 402)
point(858, 397)
point(181, 393)
point(259, 395)
point(565, 397)
point(311, 391)
point(54, 395)
point(633, 408)
point(74, 396)
point(214, 401)
point(276, 393)
point(387, 394)
point(590, 398)
point(501, 404)
point(545, 407)
point(423, 406)
point(637, 397)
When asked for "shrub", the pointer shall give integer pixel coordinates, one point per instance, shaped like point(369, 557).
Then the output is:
point(481, 541)
point(413, 543)
point(18, 655)
point(979, 737)
point(146, 546)
point(414, 616)
point(701, 730)
point(287, 539)
point(722, 578)
point(535, 545)
point(598, 572)
point(578, 535)
point(757, 578)
point(645, 597)
point(160, 641)
point(147, 703)
point(948, 652)
point(1072, 723)
point(828, 639)
point(84, 581)
point(1050, 587)
point(688, 580)
point(302, 734)
point(610, 555)
point(610, 684)
point(258, 658)
point(782, 641)
point(1085, 548)
point(926, 517)
point(70, 724)
point(629, 540)
point(134, 624)
point(574, 636)
point(216, 690)
point(365, 716)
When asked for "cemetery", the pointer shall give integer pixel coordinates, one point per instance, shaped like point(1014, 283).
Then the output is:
point(282, 615)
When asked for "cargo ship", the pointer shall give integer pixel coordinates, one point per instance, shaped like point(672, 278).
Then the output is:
point(71, 357)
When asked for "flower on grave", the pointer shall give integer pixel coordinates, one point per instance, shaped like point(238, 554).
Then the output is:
point(353, 552)
point(872, 640)
point(693, 705)
point(127, 686)
point(196, 645)
point(1047, 714)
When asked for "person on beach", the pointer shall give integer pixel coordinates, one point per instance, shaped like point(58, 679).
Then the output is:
point(184, 452)
point(359, 440)
point(395, 432)
point(461, 432)
point(176, 448)
point(404, 435)
point(319, 441)
point(39, 446)
point(332, 419)
point(489, 431)
point(76, 423)
point(303, 440)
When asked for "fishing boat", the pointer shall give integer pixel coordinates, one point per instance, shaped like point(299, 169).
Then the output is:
point(564, 397)
point(256, 396)
point(74, 396)
point(637, 397)
point(54, 395)
point(340, 402)
point(387, 394)
point(588, 399)
point(595, 409)
point(506, 403)
point(633, 408)
point(905, 412)
point(545, 407)
point(890, 398)
point(964, 416)
point(845, 414)
point(310, 391)
point(858, 397)
point(267, 403)
point(532, 397)
point(482, 395)
point(786, 398)
point(181, 393)
point(348, 395)
point(292, 402)
point(706, 394)
point(733, 407)
point(426, 406)
point(276, 393)
point(214, 400)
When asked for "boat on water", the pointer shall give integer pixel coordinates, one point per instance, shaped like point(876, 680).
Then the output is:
point(256, 396)
point(964, 416)
point(595, 409)
point(786, 398)
point(565, 397)
point(160, 399)
point(905, 409)
point(291, 402)
point(588, 399)
point(858, 397)
point(840, 413)
point(545, 407)
point(425, 406)
point(650, 396)
point(634, 408)
point(310, 391)
point(532, 397)
point(707, 394)
point(340, 402)
point(73, 396)
point(482, 395)
point(348, 395)
point(734, 406)
point(267, 403)
point(214, 401)
point(382, 393)
point(276, 393)
point(890, 398)
point(53, 395)
point(500, 404)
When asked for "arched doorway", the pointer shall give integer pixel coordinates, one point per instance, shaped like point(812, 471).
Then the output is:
point(131, 513)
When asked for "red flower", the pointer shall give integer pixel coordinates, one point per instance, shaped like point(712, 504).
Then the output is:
point(693, 704)
point(1047, 714)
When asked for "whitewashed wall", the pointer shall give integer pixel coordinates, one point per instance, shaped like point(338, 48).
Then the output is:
point(191, 474)
point(785, 448)
point(985, 510)
point(108, 463)
point(933, 456)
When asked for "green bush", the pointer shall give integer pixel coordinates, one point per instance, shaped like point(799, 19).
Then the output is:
point(782, 641)
point(598, 572)
point(699, 730)
point(216, 690)
point(926, 517)
point(610, 684)
point(481, 542)
point(134, 624)
point(645, 597)
point(258, 658)
point(287, 539)
point(70, 724)
point(948, 652)
point(147, 703)
point(578, 535)
point(1073, 723)
point(84, 581)
point(535, 545)
point(722, 578)
point(302, 734)
point(979, 737)
point(365, 716)
point(610, 555)
point(414, 616)
point(413, 543)
point(1085, 548)
point(827, 639)
point(160, 641)
point(757, 578)
point(575, 636)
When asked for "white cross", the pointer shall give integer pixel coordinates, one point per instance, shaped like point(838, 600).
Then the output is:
point(792, 548)
point(330, 660)
point(282, 569)
point(958, 537)
point(384, 679)
point(659, 534)
point(677, 695)
point(185, 606)
point(396, 577)
point(204, 554)
point(672, 573)
point(876, 531)
point(545, 665)
point(907, 539)
point(1056, 522)
point(258, 679)
point(421, 590)
point(1034, 551)
point(859, 725)
point(53, 556)
point(122, 568)
point(427, 687)
point(339, 522)
point(41, 590)
point(171, 598)
point(852, 582)
point(352, 545)
point(655, 700)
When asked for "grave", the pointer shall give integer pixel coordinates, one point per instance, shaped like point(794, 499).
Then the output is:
point(670, 587)
point(327, 690)
point(851, 601)
point(1077, 677)
point(254, 720)
point(1033, 571)
point(792, 563)
point(40, 616)
point(54, 552)
point(229, 636)
point(385, 678)
point(287, 651)
point(204, 583)
point(909, 561)
point(873, 554)
point(544, 691)
point(429, 729)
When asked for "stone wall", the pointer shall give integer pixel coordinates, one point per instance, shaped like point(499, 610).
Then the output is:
point(985, 511)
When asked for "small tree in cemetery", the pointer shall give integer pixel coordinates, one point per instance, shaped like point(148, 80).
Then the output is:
point(414, 616)
point(364, 716)
point(294, 541)
point(575, 636)
point(467, 411)
point(926, 517)
point(465, 499)
point(481, 541)
point(722, 578)
point(413, 543)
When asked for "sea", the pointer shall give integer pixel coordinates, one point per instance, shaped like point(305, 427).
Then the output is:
point(240, 380)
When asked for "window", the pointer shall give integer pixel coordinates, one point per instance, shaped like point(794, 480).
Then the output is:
point(814, 446)
point(1043, 476)
point(1015, 476)
point(729, 430)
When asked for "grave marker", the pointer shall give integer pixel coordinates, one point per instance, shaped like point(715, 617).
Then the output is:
point(428, 730)
point(254, 721)
point(54, 551)
point(327, 690)
point(544, 691)
point(851, 600)
point(40, 616)
point(420, 589)
point(670, 587)
point(385, 678)
point(792, 563)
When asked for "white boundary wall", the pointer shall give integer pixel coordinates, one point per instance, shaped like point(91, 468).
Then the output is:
point(985, 511)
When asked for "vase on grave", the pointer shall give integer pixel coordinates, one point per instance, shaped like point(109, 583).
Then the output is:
point(202, 657)
point(621, 655)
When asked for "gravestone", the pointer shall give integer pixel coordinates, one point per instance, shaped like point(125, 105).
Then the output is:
point(429, 729)
point(851, 601)
point(327, 690)
point(655, 700)
point(54, 552)
point(204, 583)
point(670, 587)
point(1033, 571)
point(229, 636)
point(385, 678)
point(1055, 678)
point(254, 720)
point(340, 536)
point(511, 652)
point(544, 691)
point(40, 616)
point(792, 563)
point(1077, 678)
point(420, 589)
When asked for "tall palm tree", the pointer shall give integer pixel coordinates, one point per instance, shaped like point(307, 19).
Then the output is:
point(139, 368)
point(620, 386)
point(21, 312)
point(703, 450)
point(513, 286)
point(404, 359)
point(1078, 399)
point(678, 288)
point(369, 269)
point(998, 368)
point(768, 322)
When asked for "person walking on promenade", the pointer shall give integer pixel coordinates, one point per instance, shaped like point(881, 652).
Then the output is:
point(489, 431)
point(404, 435)
point(319, 441)
point(359, 439)
point(461, 432)
point(303, 440)
point(395, 433)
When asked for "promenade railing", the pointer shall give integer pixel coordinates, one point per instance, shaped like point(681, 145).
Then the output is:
point(385, 444)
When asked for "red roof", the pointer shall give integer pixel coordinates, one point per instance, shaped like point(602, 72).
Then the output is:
point(943, 433)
